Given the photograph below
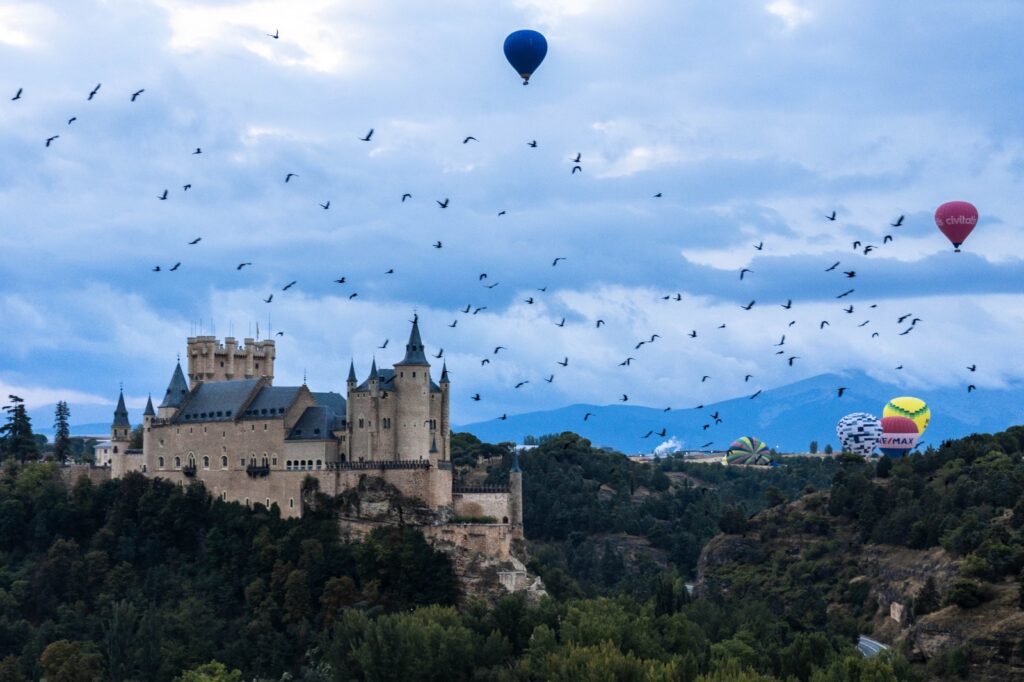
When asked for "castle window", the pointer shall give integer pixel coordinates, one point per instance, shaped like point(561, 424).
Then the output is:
point(227, 413)
point(401, 374)
point(206, 461)
point(222, 364)
point(360, 422)
point(247, 502)
point(177, 462)
point(223, 434)
point(263, 411)
point(504, 519)
point(191, 459)
point(204, 428)
point(219, 413)
point(291, 503)
point(319, 464)
point(224, 462)
point(160, 462)
point(115, 449)
point(268, 503)
point(264, 427)
point(257, 365)
point(273, 459)
point(241, 461)
point(414, 375)
point(161, 442)
point(143, 468)
point(224, 495)
point(288, 465)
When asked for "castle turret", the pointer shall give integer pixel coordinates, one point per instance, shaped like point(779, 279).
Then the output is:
point(177, 391)
point(515, 492)
point(445, 426)
point(147, 424)
point(412, 395)
point(120, 437)
point(210, 360)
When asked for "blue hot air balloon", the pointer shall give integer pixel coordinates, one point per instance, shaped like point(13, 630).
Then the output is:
point(525, 50)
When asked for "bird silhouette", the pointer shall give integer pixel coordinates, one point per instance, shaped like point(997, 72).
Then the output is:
point(693, 334)
point(49, 140)
point(198, 150)
point(971, 387)
point(840, 391)
point(156, 269)
point(561, 323)
point(72, 120)
point(279, 334)
point(476, 396)
point(503, 417)
point(788, 304)
point(759, 246)
point(915, 321)
point(749, 305)
point(384, 345)
point(831, 217)
point(587, 416)
point(501, 213)
point(467, 308)
point(709, 443)
point(555, 262)
point(782, 340)
point(576, 169)
point(886, 239)
point(454, 322)
point(903, 317)
point(341, 280)
point(289, 176)
point(163, 197)
point(368, 136)
point(637, 346)
point(898, 367)
point(850, 273)
point(497, 348)
point(564, 363)
point(864, 323)
point(550, 378)
point(275, 35)
point(906, 331)
point(135, 95)
point(576, 160)
point(532, 143)
point(468, 138)
point(756, 394)
point(437, 244)
point(289, 285)
point(326, 206)
point(899, 221)
point(648, 434)
point(845, 293)
point(704, 378)
point(662, 433)
point(528, 301)
point(848, 310)
point(186, 187)
point(17, 95)
point(485, 361)
point(242, 265)
point(856, 245)
point(599, 323)
point(406, 196)
point(352, 295)
point(491, 286)
point(476, 310)
point(657, 196)
point(868, 249)
point(792, 358)
point(833, 267)
point(625, 363)
point(268, 299)
point(443, 204)
point(521, 384)
point(874, 335)
point(176, 266)
point(972, 367)
point(747, 378)
point(824, 323)
point(654, 336)
point(624, 398)
point(389, 271)
point(744, 271)
point(195, 241)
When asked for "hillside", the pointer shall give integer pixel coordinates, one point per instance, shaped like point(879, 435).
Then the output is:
point(786, 417)
point(925, 557)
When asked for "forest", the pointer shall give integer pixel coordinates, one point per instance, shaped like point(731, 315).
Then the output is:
point(140, 579)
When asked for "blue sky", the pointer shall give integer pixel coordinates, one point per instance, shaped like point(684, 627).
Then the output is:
point(754, 120)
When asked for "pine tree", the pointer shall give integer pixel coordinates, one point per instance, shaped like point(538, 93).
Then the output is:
point(928, 599)
point(16, 435)
point(62, 432)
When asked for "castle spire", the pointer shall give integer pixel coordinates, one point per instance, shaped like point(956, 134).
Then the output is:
point(373, 370)
point(121, 413)
point(150, 412)
point(352, 371)
point(414, 354)
point(444, 373)
point(176, 390)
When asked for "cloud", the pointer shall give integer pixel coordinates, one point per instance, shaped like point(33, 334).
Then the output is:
point(24, 24)
point(791, 14)
point(38, 396)
point(670, 446)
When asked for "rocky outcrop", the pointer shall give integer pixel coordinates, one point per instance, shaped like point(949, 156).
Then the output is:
point(798, 553)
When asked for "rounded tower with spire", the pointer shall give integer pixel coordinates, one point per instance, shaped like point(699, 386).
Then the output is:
point(412, 395)
point(120, 438)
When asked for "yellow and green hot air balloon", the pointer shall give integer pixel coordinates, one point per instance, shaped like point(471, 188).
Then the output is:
point(748, 450)
point(912, 408)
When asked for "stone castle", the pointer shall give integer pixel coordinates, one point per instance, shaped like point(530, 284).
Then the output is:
point(251, 442)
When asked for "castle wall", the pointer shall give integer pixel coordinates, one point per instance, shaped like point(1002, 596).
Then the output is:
point(71, 473)
point(491, 540)
point(495, 505)
point(238, 441)
point(283, 488)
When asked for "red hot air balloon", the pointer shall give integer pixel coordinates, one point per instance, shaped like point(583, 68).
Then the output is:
point(956, 219)
point(899, 435)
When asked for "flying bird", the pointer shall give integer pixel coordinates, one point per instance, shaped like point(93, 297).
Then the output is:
point(163, 197)
point(503, 417)
point(756, 394)
point(279, 334)
point(824, 323)
point(275, 35)
point(136, 94)
point(782, 340)
point(749, 305)
point(693, 334)
point(501, 213)
point(833, 267)
point(242, 265)
point(915, 321)
point(17, 95)
point(850, 273)
point(832, 217)
point(176, 266)
point(406, 196)
point(454, 322)
point(587, 416)
point(288, 177)
point(972, 367)
point(521, 384)
point(560, 324)
point(368, 136)
point(437, 244)
point(532, 143)
point(576, 160)
point(497, 348)
point(528, 300)
point(848, 310)
point(744, 271)
point(792, 358)
point(555, 262)
point(389, 271)
point(385, 345)
point(789, 304)
point(197, 151)
point(864, 323)
point(564, 363)
point(845, 293)
point(442, 204)
point(485, 361)
point(903, 317)
point(195, 241)
point(662, 432)
point(747, 378)
point(599, 323)
point(759, 246)
point(886, 239)
point(648, 434)
point(898, 367)
point(840, 390)
point(899, 221)
point(289, 285)
point(625, 363)
point(704, 378)
point(156, 269)
point(476, 396)
point(51, 139)
point(856, 244)
point(550, 378)
point(467, 308)
point(576, 169)
point(868, 249)
point(970, 387)
point(326, 206)
point(907, 330)
point(340, 280)
point(72, 120)
point(468, 138)
point(268, 299)
point(352, 295)
point(624, 398)
point(186, 187)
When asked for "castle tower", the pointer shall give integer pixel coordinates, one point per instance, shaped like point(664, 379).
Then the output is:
point(177, 391)
point(412, 396)
point(515, 492)
point(120, 438)
point(445, 426)
point(210, 360)
point(147, 424)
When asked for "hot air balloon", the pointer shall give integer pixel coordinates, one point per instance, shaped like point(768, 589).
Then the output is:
point(956, 219)
point(899, 436)
point(525, 50)
point(913, 408)
point(747, 450)
point(859, 432)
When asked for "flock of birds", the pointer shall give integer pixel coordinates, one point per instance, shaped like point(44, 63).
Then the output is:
point(576, 167)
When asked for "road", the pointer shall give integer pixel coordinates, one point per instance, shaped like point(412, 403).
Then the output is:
point(870, 647)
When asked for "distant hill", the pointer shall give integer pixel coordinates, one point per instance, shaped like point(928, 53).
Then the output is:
point(788, 417)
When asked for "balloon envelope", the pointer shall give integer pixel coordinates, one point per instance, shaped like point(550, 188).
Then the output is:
point(913, 408)
point(899, 435)
point(525, 50)
point(956, 219)
point(747, 450)
point(859, 432)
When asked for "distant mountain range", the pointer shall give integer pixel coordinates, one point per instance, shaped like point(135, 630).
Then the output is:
point(787, 418)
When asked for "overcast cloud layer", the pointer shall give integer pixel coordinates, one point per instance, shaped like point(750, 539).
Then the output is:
point(753, 120)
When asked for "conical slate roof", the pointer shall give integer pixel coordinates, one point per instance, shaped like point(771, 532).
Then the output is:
point(150, 412)
point(121, 413)
point(414, 354)
point(177, 390)
point(352, 371)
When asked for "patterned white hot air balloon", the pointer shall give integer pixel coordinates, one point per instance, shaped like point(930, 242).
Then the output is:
point(859, 432)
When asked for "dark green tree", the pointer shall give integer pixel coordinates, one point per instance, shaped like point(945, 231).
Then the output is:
point(16, 436)
point(136, 442)
point(828, 448)
point(814, 447)
point(61, 432)
point(883, 467)
point(928, 598)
